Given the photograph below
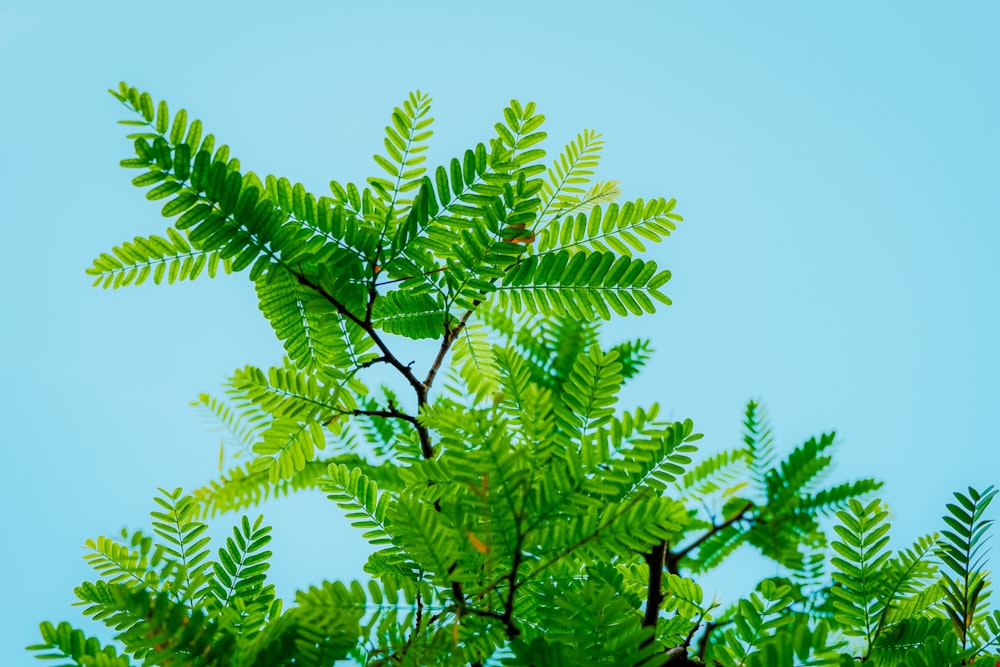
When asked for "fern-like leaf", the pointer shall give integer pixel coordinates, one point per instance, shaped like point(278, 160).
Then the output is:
point(962, 552)
point(569, 174)
point(287, 446)
point(308, 326)
point(412, 315)
point(621, 229)
point(171, 259)
point(475, 358)
point(358, 495)
point(861, 552)
point(223, 211)
point(63, 641)
point(654, 459)
point(119, 564)
point(758, 616)
point(186, 544)
point(757, 436)
point(244, 424)
point(425, 536)
point(713, 473)
point(589, 393)
point(242, 566)
point(905, 575)
point(585, 285)
point(404, 146)
point(244, 486)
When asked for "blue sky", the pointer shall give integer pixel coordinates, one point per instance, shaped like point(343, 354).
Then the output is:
point(836, 165)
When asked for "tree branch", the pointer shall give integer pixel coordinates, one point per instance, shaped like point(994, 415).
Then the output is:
point(372, 362)
point(508, 607)
point(391, 413)
point(673, 559)
point(420, 388)
point(703, 642)
point(387, 356)
point(654, 596)
point(446, 343)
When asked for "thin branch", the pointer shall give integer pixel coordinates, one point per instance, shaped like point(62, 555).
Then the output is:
point(420, 611)
point(672, 559)
point(703, 642)
point(372, 289)
point(486, 613)
point(654, 590)
point(367, 327)
point(391, 413)
point(446, 343)
point(372, 362)
point(694, 629)
point(421, 389)
point(387, 356)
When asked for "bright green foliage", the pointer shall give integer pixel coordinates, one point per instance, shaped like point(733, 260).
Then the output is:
point(861, 553)
point(777, 505)
point(906, 612)
point(519, 514)
point(242, 566)
point(757, 617)
point(962, 552)
point(183, 544)
point(358, 495)
point(476, 361)
point(173, 258)
point(564, 190)
point(613, 230)
point(65, 642)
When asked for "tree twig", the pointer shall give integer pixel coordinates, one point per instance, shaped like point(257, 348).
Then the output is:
point(703, 642)
point(672, 559)
point(388, 357)
point(449, 338)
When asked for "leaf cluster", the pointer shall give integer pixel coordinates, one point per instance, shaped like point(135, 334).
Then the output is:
point(518, 514)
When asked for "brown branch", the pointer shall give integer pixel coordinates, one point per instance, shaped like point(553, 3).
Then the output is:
point(391, 413)
point(694, 629)
point(703, 642)
point(367, 327)
point(421, 389)
point(654, 596)
point(654, 592)
point(677, 657)
point(387, 356)
point(372, 362)
point(449, 338)
point(420, 610)
point(508, 608)
point(672, 559)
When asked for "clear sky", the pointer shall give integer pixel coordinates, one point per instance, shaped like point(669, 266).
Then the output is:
point(836, 163)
